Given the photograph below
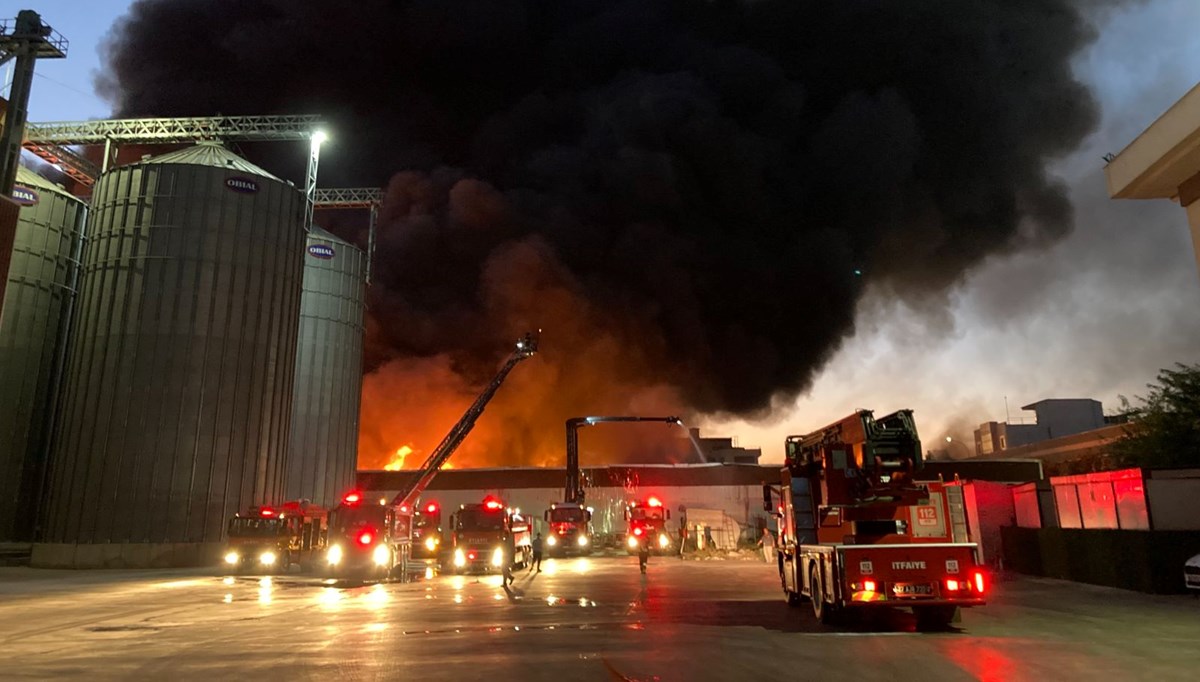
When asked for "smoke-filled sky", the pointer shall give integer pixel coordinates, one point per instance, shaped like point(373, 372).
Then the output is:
point(761, 215)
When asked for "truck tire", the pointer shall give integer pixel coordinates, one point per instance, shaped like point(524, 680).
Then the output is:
point(934, 617)
point(823, 610)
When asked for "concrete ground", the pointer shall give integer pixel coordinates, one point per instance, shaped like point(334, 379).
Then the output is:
point(581, 619)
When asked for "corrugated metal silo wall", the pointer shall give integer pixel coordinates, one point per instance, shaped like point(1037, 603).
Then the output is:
point(179, 382)
point(37, 300)
point(323, 450)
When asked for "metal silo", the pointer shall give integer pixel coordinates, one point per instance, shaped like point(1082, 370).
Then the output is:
point(37, 302)
point(178, 384)
point(323, 450)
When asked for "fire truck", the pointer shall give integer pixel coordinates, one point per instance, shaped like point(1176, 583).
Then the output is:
point(570, 529)
point(487, 536)
point(272, 539)
point(376, 540)
point(857, 531)
point(367, 539)
point(427, 531)
point(570, 520)
point(646, 526)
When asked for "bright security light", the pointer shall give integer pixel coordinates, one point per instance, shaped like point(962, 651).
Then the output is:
point(319, 137)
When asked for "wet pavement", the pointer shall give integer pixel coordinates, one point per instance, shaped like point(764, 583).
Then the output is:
point(580, 619)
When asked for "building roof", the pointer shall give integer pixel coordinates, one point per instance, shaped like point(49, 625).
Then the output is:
point(978, 469)
point(1159, 160)
point(662, 475)
point(1046, 401)
point(30, 178)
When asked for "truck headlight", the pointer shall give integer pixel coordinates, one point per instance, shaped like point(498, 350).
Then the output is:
point(582, 541)
point(498, 557)
point(334, 555)
point(552, 541)
point(382, 555)
point(460, 559)
point(663, 541)
point(632, 541)
point(231, 558)
point(267, 558)
point(430, 544)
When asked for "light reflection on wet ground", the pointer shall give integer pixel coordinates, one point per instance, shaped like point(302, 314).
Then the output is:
point(586, 618)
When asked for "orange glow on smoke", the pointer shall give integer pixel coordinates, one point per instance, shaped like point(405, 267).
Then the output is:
point(583, 368)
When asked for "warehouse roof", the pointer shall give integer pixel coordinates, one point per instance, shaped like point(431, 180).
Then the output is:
point(604, 476)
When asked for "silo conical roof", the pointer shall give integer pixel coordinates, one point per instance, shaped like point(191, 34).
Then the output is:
point(318, 233)
point(211, 154)
point(30, 178)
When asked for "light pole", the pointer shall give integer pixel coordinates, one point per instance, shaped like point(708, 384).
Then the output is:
point(950, 441)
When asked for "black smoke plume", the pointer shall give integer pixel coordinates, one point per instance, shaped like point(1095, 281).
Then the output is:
point(707, 183)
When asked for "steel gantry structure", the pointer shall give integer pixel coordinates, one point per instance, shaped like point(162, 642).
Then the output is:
point(370, 198)
point(50, 141)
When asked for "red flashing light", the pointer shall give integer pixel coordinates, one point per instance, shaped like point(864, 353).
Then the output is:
point(868, 585)
point(654, 502)
point(978, 577)
point(637, 531)
point(952, 585)
point(492, 503)
point(470, 555)
point(365, 538)
point(352, 497)
point(431, 507)
point(266, 511)
point(404, 509)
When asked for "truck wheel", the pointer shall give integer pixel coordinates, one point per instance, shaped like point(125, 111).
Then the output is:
point(824, 612)
point(934, 617)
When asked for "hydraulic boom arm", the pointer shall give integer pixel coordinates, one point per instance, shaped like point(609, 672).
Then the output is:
point(526, 347)
point(574, 491)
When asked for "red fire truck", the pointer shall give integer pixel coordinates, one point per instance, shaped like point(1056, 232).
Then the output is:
point(858, 532)
point(427, 531)
point(486, 536)
point(570, 529)
point(271, 539)
point(646, 526)
point(367, 539)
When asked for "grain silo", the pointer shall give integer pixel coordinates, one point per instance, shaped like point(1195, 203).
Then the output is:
point(178, 384)
point(37, 300)
point(323, 449)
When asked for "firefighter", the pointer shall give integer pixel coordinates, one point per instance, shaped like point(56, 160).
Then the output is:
point(537, 554)
point(643, 555)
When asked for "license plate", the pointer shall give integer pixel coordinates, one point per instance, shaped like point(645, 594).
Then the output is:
point(912, 590)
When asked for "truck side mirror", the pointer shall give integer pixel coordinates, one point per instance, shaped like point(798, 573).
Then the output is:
point(768, 505)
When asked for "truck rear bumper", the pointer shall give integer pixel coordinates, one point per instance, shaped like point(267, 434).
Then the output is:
point(909, 603)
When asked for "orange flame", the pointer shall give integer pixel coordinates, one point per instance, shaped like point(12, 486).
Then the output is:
point(397, 461)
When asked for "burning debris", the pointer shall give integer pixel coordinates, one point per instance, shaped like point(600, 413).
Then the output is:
point(688, 197)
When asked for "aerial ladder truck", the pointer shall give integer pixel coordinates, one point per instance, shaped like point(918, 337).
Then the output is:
point(374, 538)
point(859, 532)
point(570, 521)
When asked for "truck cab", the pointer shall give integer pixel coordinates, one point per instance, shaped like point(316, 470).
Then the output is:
point(270, 539)
point(487, 536)
point(570, 529)
point(367, 540)
point(646, 526)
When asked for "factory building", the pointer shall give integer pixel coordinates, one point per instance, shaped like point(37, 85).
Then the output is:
point(723, 450)
point(1054, 418)
point(732, 491)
